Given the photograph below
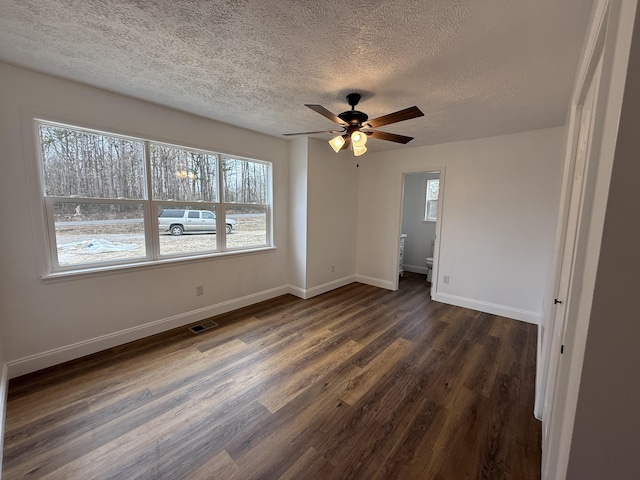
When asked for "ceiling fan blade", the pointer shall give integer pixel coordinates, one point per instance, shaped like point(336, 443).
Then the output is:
point(399, 116)
point(325, 113)
point(312, 133)
point(392, 137)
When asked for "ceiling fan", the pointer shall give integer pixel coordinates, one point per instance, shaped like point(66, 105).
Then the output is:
point(356, 126)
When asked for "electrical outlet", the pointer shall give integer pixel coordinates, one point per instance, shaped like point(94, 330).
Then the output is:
point(333, 268)
point(445, 279)
point(199, 290)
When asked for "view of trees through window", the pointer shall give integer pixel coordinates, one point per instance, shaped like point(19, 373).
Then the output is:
point(84, 164)
point(103, 192)
point(183, 175)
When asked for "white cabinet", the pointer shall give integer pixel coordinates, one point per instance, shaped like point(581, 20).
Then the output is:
point(401, 255)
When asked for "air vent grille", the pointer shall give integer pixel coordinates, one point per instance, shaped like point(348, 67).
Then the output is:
point(203, 326)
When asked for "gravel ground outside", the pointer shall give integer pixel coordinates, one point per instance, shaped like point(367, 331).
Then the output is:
point(84, 244)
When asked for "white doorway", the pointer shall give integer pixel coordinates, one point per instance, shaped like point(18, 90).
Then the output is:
point(420, 222)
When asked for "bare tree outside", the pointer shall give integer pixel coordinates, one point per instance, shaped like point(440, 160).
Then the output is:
point(183, 175)
point(83, 164)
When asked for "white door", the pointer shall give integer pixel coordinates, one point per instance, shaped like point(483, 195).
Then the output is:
point(553, 339)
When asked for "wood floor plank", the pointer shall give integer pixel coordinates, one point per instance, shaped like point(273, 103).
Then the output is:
point(43, 460)
point(281, 394)
point(483, 366)
point(396, 327)
point(358, 383)
point(310, 461)
point(501, 327)
point(184, 450)
point(367, 450)
point(220, 467)
point(458, 433)
point(99, 384)
point(140, 451)
point(420, 436)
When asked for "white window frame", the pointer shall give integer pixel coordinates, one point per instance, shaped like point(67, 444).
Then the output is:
point(150, 208)
point(429, 200)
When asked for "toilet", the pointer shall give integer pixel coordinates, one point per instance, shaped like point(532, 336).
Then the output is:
point(429, 262)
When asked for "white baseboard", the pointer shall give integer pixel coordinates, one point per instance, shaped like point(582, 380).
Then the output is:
point(320, 289)
point(495, 309)
point(375, 282)
point(297, 291)
point(4, 386)
point(415, 269)
point(56, 356)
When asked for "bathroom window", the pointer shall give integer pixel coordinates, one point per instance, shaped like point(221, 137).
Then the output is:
point(431, 203)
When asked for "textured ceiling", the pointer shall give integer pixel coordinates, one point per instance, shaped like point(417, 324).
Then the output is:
point(475, 68)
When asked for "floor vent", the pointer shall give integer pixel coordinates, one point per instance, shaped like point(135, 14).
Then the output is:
point(203, 326)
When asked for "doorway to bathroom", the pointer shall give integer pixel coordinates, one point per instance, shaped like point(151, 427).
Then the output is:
point(420, 224)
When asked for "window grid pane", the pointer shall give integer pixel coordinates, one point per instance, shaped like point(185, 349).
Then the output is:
point(91, 165)
point(249, 226)
point(183, 175)
point(187, 229)
point(244, 181)
point(88, 233)
point(431, 204)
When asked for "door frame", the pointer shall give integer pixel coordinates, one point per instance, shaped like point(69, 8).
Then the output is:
point(551, 334)
point(436, 244)
point(568, 223)
point(608, 44)
point(568, 267)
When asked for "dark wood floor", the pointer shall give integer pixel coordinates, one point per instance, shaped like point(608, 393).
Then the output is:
point(357, 383)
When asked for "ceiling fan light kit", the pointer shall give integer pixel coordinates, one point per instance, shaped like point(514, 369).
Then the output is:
point(356, 126)
point(358, 139)
point(357, 151)
point(337, 143)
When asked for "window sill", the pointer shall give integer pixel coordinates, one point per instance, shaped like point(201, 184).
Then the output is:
point(145, 265)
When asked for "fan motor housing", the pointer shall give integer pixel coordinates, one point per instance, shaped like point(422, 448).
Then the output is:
point(353, 117)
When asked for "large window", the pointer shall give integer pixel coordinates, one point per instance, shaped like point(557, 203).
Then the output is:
point(113, 200)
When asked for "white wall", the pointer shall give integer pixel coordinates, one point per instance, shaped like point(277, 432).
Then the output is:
point(332, 216)
point(49, 322)
point(420, 234)
point(498, 219)
point(298, 168)
point(323, 204)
